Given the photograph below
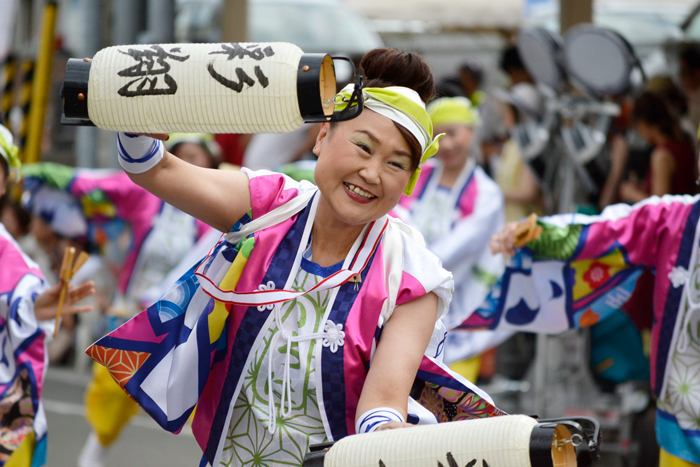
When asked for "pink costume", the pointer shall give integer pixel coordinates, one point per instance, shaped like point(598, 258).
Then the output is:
point(23, 358)
point(161, 234)
point(584, 268)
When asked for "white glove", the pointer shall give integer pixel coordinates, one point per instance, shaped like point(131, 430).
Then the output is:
point(138, 154)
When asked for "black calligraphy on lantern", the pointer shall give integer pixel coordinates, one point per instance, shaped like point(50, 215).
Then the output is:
point(241, 78)
point(451, 462)
point(150, 72)
point(237, 51)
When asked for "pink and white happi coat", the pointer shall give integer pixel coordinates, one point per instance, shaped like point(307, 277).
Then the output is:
point(172, 356)
point(585, 268)
point(23, 358)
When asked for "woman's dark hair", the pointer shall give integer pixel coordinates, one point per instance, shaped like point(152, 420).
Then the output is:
point(510, 59)
point(474, 69)
point(664, 87)
point(211, 157)
point(387, 67)
point(690, 56)
point(391, 67)
point(653, 110)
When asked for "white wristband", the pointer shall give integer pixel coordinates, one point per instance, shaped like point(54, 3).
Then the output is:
point(138, 154)
point(374, 418)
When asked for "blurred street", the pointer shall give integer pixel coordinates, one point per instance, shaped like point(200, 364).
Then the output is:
point(142, 443)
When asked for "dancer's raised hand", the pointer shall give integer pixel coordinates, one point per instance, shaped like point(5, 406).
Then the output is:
point(46, 304)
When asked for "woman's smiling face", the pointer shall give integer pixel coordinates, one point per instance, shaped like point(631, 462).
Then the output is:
point(363, 167)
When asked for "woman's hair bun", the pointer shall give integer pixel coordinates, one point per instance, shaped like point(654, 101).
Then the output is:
point(391, 67)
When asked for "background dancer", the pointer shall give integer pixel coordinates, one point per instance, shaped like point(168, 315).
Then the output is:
point(161, 236)
point(27, 311)
point(57, 223)
point(457, 208)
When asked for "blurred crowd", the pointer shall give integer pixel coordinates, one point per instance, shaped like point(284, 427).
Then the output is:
point(137, 244)
point(649, 151)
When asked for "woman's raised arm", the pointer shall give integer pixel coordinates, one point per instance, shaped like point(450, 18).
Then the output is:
point(217, 197)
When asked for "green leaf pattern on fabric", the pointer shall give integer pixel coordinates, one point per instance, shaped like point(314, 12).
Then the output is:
point(682, 396)
point(248, 442)
point(556, 243)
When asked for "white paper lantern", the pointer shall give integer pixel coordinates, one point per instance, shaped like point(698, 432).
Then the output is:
point(507, 441)
point(207, 88)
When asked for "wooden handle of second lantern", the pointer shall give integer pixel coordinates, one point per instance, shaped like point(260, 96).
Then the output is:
point(527, 231)
point(82, 259)
point(65, 275)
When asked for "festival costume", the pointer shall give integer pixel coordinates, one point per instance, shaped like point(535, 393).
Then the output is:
point(161, 235)
point(583, 268)
point(301, 421)
point(224, 318)
point(23, 438)
point(457, 224)
point(24, 361)
point(155, 355)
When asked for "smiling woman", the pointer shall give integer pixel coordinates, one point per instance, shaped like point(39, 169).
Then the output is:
point(317, 314)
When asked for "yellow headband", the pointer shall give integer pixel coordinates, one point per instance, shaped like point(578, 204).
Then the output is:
point(405, 107)
point(9, 151)
point(451, 110)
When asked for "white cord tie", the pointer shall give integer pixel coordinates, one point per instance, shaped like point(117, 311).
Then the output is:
point(332, 336)
point(685, 338)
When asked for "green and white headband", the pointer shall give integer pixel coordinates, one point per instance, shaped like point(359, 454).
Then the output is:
point(405, 107)
point(9, 151)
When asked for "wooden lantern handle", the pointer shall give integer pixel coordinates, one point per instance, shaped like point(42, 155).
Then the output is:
point(68, 270)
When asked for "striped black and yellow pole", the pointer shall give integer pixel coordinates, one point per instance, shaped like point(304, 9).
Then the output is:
point(26, 72)
point(41, 85)
point(6, 95)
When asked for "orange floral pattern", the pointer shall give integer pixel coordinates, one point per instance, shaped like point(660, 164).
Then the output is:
point(122, 364)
